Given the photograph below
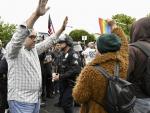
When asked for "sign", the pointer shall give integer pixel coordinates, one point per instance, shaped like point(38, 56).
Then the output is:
point(84, 37)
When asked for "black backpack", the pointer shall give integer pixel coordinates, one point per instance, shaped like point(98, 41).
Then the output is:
point(144, 79)
point(120, 96)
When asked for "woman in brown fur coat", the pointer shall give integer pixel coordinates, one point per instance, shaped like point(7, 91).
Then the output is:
point(90, 88)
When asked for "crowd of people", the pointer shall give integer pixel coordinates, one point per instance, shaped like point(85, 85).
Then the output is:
point(32, 70)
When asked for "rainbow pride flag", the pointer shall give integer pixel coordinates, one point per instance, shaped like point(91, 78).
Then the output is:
point(104, 27)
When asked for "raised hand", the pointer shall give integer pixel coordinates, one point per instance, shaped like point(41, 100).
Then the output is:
point(65, 23)
point(63, 27)
point(42, 9)
point(112, 24)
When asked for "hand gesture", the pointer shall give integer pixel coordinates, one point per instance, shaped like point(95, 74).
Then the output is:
point(42, 9)
point(65, 23)
point(63, 27)
point(112, 24)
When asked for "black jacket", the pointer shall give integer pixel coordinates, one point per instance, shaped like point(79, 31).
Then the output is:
point(70, 67)
point(140, 31)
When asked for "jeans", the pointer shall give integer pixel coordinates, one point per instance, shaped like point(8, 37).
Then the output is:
point(22, 107)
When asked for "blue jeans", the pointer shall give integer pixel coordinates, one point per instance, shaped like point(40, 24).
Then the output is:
point(22, 107)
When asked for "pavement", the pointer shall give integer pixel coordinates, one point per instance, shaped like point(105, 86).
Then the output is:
point(50, 108)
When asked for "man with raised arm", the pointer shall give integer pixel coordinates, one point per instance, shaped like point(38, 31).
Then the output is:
point(24, 71)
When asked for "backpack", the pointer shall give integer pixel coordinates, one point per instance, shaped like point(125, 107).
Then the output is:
point(120, 97)
point(144, 82)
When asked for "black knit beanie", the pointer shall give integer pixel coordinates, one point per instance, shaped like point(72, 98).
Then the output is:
point(108, 43)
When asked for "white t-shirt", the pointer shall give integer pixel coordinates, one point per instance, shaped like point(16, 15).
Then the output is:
point(89, 54)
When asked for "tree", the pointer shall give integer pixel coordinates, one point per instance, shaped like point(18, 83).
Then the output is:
point(124, 22)
point(6, 31)
point(77, 35)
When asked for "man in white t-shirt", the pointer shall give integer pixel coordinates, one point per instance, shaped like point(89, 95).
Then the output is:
point(89, 53)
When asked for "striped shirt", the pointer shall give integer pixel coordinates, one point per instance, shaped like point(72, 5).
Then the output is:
point(24, 71)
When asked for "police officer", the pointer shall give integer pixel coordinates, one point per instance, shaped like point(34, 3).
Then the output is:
point(69, 70)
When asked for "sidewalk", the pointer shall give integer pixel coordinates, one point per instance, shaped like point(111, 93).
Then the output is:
point(50, 108)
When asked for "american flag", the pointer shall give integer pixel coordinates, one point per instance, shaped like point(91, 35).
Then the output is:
point(50, 26)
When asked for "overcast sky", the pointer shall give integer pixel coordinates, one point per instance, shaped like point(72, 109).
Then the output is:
point(83, 14)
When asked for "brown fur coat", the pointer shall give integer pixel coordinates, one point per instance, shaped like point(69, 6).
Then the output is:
point(91, 87)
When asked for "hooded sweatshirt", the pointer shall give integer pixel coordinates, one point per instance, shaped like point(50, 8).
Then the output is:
point(140, 31)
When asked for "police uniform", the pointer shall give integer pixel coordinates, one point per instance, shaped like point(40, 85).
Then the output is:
point(69, 70)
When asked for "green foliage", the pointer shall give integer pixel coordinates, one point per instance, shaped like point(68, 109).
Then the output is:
point(124, 22)
point(6, 31)
point(77, 35)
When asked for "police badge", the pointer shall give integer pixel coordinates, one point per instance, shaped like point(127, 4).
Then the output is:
point(75, 56)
